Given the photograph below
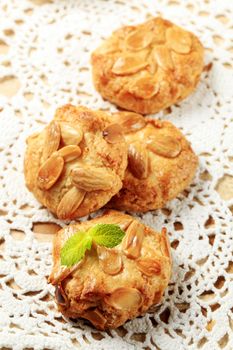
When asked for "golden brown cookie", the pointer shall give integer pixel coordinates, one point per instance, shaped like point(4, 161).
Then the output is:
point(112, 285)
point(147, 68)
point(76, 164)
point(161, 163)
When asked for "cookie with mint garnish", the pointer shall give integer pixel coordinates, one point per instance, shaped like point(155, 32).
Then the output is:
point(110, 269)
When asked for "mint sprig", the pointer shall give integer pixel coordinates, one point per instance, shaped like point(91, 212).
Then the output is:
point(74, 249)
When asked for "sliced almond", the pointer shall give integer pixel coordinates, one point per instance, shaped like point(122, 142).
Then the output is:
point(132, 242)
point(138, 160)
point(70, 135)
point(96, 318)
point(159, 31)
point(69, 203)
point(114, 217)
point(52, 139)
point(165, 244)
point(139, 39)
point(125, 298)
point(109, 46)
point(61, 297)
point(164, 145)
point(113, 133)
point(50, 171)
point(129, 121)
point(144, 88)
point(110, 260)
point(149, 267)
point(178, 40)
point(70, 152)
point(128, 64)
point(163, 57)
point(93, 179)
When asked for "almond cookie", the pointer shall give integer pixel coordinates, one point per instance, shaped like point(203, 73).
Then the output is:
point(76, 164)
point(147, 68)
point(109, 286)
point(161, 163)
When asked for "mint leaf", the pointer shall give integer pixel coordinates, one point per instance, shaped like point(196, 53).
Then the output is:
point(107, 235)
point(74, 248)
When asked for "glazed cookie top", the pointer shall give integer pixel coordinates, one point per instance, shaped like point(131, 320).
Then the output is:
point(161, 162)
point(76, 164)
point(156, 59)
point(125, 280)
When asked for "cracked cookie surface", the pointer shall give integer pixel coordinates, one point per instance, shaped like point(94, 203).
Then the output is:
point(147, 68)
point(76, 164)
point(161, 163)
point(112, 285)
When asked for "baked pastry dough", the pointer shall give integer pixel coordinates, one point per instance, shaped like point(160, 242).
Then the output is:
point(110, 286)
point(76, 164)
point(161, 163)
point(147, 68)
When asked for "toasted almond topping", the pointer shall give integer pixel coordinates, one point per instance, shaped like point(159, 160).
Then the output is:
point(124, 298)
point(139, 39)
point(125, 65)
point(93, 179)
point(60, 296)
point(178, 40)
point(52, 139)
point(138, 160)
point(70, 135)
point(162, 56)
point(96, 318)
point(129, 121)
point(164, 145)
point(109, 46)
point(114, 218)
point(165, 244)
point(113, 133)
point(157, 297)
point(144, 88)
point(50, 171)
point(110, 260)
point(132, 242)
point(149, 267)
point(69, 203)
point(70, 152)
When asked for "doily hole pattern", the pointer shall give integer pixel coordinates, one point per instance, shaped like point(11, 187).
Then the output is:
point(45, 50)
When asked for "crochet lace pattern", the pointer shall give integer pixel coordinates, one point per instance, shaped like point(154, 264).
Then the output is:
point(47, 48)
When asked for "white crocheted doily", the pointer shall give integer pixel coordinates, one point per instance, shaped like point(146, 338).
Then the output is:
point(47, 50)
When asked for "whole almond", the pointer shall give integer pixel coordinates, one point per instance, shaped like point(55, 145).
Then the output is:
point(164, 145)
point(138, 160)
point(70, 135)
point(70, 152)
point(93, 179)
point(69, 203)
point(52, 139)
point(113, 133)
point(50, 171)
